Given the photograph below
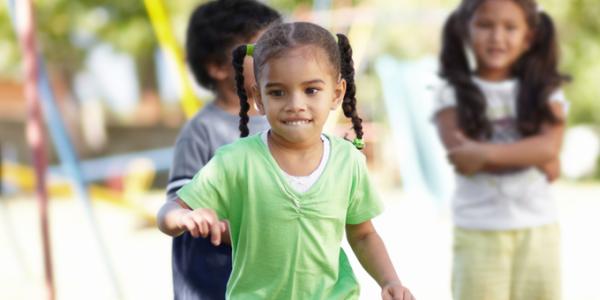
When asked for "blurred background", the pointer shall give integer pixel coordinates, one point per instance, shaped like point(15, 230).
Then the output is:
point(115, 91)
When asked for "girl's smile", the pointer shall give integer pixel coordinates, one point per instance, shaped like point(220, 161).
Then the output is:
point(296, 92)
point(296, 122)
point(499, 35)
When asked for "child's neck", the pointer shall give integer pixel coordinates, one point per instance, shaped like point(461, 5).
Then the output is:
point(296, 159)
point(493, 74)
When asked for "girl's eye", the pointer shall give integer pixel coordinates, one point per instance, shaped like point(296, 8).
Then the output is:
point(311, 91)
point(484, 24)
point(275, 93)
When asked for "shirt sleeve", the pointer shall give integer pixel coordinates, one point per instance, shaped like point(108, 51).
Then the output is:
point(365, 203)
point(209, 188)
point(559, 97)
point(191, 153)
point(443, 97)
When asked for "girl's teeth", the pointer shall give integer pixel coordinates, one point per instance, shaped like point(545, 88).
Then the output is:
point(296, 122)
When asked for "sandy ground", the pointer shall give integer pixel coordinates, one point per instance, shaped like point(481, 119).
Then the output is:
point(417, 233)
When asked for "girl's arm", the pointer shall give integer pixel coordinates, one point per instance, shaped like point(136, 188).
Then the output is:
point(470, 156)
point(169, 215)
point(175, 217)
point(371, 252)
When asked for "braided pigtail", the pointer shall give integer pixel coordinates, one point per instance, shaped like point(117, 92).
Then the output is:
point(238, 64)
point(349, 102)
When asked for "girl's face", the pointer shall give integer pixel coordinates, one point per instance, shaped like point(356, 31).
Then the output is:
point(499, 35)
point(296, 91)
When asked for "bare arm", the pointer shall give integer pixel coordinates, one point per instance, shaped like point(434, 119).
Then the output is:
point(472, 156)
point(447, 127)
point(169, 215)
point(370, 251)
point(175, 217)
point(536, 150)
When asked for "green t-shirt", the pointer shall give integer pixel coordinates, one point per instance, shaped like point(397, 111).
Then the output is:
point(286, 245)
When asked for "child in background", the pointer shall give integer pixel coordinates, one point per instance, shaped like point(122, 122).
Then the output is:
point(502, 122)
point(200, 269)
point(291, 192)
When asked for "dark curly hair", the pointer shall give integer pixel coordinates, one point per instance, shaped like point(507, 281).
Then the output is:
point(217, 26)
point(283, 37)
point(536, 70)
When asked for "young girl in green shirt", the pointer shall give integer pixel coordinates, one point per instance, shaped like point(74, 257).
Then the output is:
point(290, 193)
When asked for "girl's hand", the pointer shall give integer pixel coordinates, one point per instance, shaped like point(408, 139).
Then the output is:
point(468, 157)
point(551, 169)
point(201, 222)
point(395, 291)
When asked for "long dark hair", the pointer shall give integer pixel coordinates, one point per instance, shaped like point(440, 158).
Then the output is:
point(536, 71)
point(283, 37)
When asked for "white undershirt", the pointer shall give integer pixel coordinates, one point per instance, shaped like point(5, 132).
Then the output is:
point(302, 184)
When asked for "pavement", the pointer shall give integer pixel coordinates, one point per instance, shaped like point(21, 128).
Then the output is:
point(417, 233)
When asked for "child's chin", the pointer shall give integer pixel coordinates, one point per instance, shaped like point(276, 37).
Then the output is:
point(498, 64)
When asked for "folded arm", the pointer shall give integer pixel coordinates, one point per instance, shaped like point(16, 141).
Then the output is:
point(469, 156)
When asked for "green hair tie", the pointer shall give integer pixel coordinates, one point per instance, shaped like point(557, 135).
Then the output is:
point(249, 49)
point(358, 143)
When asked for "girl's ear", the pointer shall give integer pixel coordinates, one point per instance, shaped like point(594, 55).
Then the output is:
point(218, 72)
point(338, 93)
point(255, 94)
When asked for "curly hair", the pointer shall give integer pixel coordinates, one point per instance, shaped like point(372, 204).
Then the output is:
point(217, 26)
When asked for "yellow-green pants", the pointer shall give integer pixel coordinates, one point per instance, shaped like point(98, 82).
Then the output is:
point(521, 264)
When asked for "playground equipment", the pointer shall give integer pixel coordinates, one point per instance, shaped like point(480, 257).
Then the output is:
point(160, 22)
point(408, 97)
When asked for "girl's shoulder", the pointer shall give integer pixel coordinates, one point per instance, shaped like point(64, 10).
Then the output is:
point(558, 96)
point(444, 96)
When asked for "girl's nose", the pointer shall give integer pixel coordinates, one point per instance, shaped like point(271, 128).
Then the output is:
point(497, 34)
point(296, 102)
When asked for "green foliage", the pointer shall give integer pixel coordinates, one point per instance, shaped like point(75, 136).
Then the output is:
point(9, 48)
point(580, 40)
point(66, 29)
point(286, 6)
